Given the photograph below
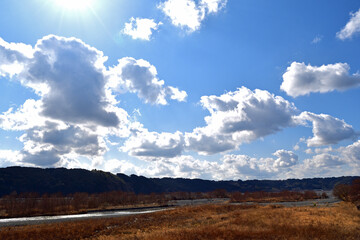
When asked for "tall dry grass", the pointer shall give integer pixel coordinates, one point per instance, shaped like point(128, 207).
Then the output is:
point(208, 222)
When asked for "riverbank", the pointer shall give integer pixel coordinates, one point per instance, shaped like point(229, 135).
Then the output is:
point(133, 210)
point(106, 213)
point(221, 221)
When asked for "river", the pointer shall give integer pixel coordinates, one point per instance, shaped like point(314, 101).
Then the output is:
point(61, 218)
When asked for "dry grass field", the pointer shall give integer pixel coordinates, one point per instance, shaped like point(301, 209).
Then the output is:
point(341, 221)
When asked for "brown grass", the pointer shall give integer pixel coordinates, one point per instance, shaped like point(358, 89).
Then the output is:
point(208, 222)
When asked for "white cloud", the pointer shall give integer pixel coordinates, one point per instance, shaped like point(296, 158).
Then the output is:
point(176, 94)
point(238, 117)
point(309, 151)
point(73, 75)
point(25, 117)
point(10, 52)
point(205, 142)
point(140, 77)
point(76, 111)
point(183, 13)
point(351, 28)
point(186, 166)
point(324, 150)
point(351, 153)
point(300, 79)
point(326, 129)
point(122, 166)
point(233, 166)
point(244, 115)
point(317, 39)
point(285, 159)
point(187, 14)
point(10, 158)
point(330, 162)
point(154, 146)
point(12, 57)
point(140, 28)
point(323, 160)
point(213, 6)
point(242, 166)
point(76, 114)
point(239, 165)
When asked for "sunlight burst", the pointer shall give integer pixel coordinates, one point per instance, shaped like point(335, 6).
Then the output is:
point(75, 5)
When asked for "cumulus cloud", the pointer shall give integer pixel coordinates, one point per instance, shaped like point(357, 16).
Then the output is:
point(229, 167)
point(233, 166)
point(284, 164)
point(68, 75)
point(285, 159)
point(245, 166)
point(140, 28)
point(330, 162)
point(69, 78)
point(122, 166)
point(323, 160)
point(189, 14)
point(244, 115)
point(240, 165)
point(324, 150)
point(53, 142)
point(326, 129)
point(206, 142)
point(140, 77)
point(300, 79)
point(25, 117)
point(76, 111)
point(351, 28)
point(351, 153)
point(73, 73)
point(212, 6)
point(70, 139)
point(12, 57)
point(238, 117)
point(185, 166)
point(10, 158)
point(154, 146)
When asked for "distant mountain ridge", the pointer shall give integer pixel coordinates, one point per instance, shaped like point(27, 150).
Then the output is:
point(54, 180)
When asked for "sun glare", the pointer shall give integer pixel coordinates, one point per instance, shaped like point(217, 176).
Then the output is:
point(74, 5)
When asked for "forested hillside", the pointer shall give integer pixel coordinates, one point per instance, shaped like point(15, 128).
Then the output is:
point(54, 180)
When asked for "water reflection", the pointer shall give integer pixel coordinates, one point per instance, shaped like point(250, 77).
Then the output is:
point(49, 219)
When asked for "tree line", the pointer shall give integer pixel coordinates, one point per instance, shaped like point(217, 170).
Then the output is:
point(34, 204)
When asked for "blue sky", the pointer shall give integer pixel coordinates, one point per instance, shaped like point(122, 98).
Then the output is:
point(210, 89)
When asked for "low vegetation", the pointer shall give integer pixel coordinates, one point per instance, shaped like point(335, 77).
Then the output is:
point(284, 196)
point(208, 222)
point(32, 204)
point(348, 192)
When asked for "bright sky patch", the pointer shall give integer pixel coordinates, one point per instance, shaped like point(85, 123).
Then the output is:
point(74, 5)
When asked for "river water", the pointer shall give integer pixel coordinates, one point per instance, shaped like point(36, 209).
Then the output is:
point(61, 218)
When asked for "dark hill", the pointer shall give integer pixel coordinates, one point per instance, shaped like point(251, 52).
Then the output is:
point(53, 180)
